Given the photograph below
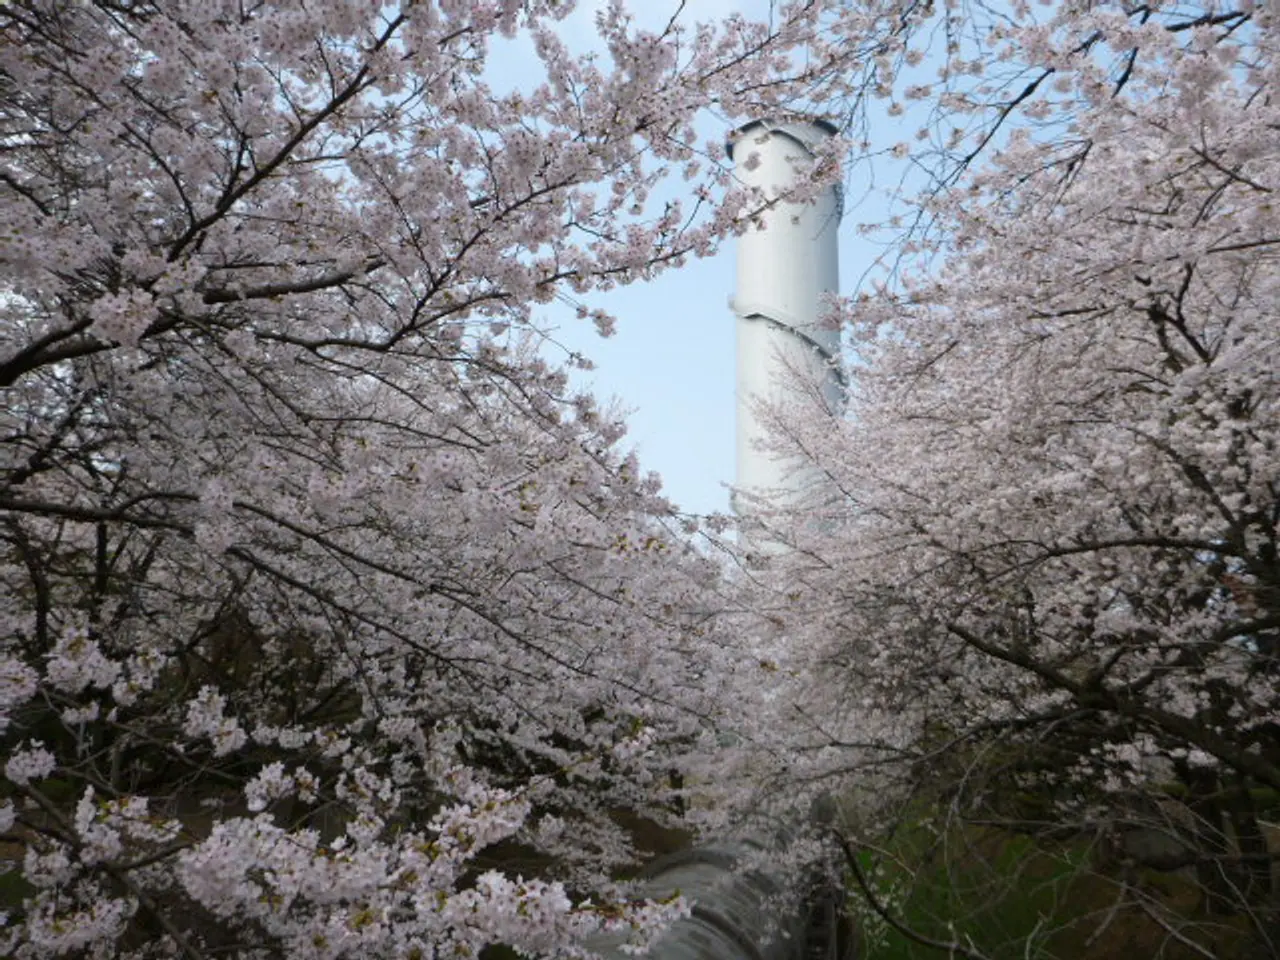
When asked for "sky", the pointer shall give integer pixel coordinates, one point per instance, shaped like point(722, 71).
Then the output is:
point(670, 366)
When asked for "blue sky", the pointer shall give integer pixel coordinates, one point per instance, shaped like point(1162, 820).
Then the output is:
point(671, 367)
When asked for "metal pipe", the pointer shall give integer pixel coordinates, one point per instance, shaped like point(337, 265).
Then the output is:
point(744, 907)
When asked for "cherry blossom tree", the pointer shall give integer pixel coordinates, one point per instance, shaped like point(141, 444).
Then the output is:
point(322, 594)
point(1045, 595)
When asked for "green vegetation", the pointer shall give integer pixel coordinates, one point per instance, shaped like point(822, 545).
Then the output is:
point(997, 894)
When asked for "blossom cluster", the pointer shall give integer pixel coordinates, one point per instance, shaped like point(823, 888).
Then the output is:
point(1043, 585)
point(322, 588)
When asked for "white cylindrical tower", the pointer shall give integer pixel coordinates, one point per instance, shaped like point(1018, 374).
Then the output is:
point(783, 272)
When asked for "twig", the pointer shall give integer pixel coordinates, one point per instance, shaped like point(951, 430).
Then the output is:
point(950, 947)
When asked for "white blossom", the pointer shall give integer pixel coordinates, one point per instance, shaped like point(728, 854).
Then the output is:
point(29, 763)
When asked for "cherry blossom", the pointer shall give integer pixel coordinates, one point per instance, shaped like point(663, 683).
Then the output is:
point(1040, 588)
point(319, 583)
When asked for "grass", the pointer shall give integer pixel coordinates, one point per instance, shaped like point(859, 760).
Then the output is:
point(1007, 896)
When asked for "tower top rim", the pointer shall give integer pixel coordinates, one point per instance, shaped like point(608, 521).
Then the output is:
point(806, 131)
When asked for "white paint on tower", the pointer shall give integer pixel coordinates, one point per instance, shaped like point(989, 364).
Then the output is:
point(783, 272)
